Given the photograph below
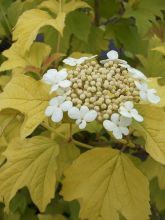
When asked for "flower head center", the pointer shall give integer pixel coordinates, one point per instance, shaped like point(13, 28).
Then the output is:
point(103, 88)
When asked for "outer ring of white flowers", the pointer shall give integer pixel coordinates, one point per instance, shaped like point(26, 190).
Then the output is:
point(119, 122)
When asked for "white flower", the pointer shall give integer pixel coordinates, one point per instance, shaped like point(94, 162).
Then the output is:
point(57, 79)
point(114, 56)
point(56, 107)
point(82, 115)
point(147, 94)
point(73, 61)
point(118, 125)
point(137, 74)
point(128, 111)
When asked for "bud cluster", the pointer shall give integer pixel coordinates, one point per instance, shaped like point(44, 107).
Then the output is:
point(103, 88)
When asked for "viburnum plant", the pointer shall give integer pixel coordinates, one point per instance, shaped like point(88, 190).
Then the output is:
point(81, 130)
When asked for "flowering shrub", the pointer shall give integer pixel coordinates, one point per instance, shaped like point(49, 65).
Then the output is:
point(82, 117)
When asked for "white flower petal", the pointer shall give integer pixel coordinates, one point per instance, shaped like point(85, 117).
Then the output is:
point(50, 76)
point(138, 85)
point(122, 62)
point(109, 125)
point(78, 121)
point(124, 122)
point(70, 61)
point(81, 60)
point(61, 75)
point(65, 83)
point(83, 124)
point(112, 55)
point(89, 58)
point(143, 95)
point(152, 97)
point(128, 105)
point(124, 130)
point(74, 113)
point(123, 111)
point(83, 110)
point(54, 101)
point(117, 133)
point(125, 65)
point(54, 88)
point(57, 115)
point(49, 111)
point(60, 99)
point(65, 106)
point(136, 115)
point(90, 116)
point(137, 74)
point(115, 118)
point(104, 61)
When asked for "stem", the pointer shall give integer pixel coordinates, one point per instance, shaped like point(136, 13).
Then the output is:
point(97, 16)
point(58, 43)
point(62, 136)
point(59, 36)
point(70, 133)
point(52, 130)
point(82, 144)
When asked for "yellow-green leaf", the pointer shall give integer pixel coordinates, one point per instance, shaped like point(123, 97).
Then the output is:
point(154, 169)
point(16, 58)
point(106, 182)
point(160, 49)
point(28, 96)
point(29, 24)
point(4, 79)
point(10, 123)
point(153, 130)
point(153, 83)
point(52, 5)
point(55, 6)
point(68, 153)
point(73, 5)
point(30, 163)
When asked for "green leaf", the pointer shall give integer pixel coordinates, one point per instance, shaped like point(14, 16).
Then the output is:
point(106, 182)
point(152, 129)
point(31, 163)
point(144, 11)
point(79, 24)
point(108, 8)
point(49, 217)
point(96, 42)
point(119, 31)
point(157, 195)
point(28, 96)
point(153, 62)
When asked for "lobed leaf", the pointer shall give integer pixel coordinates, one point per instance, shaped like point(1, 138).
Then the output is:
point(16, 58)
point(31, 163)
point(106, 182)
point(28, 96)
point(152, 129)
point(29, 24)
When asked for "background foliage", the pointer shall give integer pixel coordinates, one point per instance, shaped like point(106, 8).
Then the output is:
point(35, 35)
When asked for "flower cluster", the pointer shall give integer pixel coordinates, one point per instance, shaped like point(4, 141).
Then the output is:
point(105, 91)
